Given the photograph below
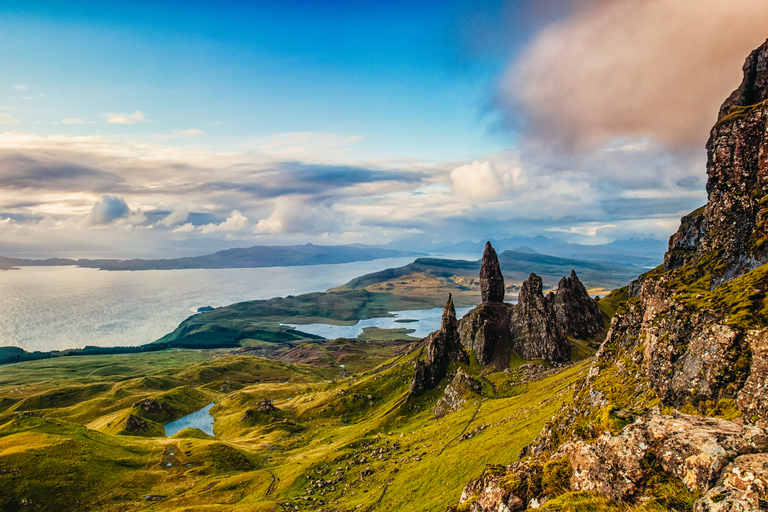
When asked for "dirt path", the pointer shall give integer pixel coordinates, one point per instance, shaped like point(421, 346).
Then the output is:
point(493, 387)
point(462, 432)
point(378, 502)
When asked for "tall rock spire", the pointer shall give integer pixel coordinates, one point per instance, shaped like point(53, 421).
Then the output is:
point(491, 280)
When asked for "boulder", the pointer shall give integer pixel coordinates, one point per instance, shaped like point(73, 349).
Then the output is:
point(743, 486)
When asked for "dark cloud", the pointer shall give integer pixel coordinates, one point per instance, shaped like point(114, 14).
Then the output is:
point(108, 209)
point(295, 178)
point(19, 172)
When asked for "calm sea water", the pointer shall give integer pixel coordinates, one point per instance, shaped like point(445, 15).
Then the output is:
point(54, 308)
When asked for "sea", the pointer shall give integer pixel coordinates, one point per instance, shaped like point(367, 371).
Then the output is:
point(56, 308)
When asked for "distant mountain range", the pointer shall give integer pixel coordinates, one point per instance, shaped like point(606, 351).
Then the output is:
point(256, 256)
point(641, 252)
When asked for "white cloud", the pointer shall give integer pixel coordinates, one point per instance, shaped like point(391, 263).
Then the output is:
point(6, 118)
point(477, 180)
point(235, 222)
point(185, 228)
point(175, 217)
point(307, 145)
point(191, 132)
point(75, 120)
point(123, 118)
point(20, 87)
point(300, 215)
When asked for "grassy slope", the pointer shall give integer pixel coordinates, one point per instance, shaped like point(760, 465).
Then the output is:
point(63, 456)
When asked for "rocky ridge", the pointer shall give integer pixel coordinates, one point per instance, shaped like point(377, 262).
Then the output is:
point(693, 336)
point(443, 347)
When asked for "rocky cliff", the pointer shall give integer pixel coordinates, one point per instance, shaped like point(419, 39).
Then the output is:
point(693, 337)
point(443, 347)
point(729, 236)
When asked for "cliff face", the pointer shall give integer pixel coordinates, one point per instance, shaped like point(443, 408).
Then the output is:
point(693, 336)
point(731, 230)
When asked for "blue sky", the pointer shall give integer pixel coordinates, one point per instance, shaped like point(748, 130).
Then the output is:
point(166, 128)
point(412, 77)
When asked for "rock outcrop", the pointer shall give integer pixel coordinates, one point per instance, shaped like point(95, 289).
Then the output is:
point(717, 458)
point(742, 486)
point(486, 331)
point(455, 395)
point(153, 407)
point(531, 329)
point(495, 330)
point(696, 450)
point(134, 424)
point(754, 86)
point(443, 347)
point(534, 328)
point(577, 313)
point(491, 280)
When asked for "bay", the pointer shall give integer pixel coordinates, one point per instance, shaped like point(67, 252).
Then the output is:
point(422, 322)
point(56, 308)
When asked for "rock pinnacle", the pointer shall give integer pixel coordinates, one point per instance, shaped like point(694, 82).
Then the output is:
point(491, 280)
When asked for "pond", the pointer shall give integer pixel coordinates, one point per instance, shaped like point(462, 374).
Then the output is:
point(201, 419)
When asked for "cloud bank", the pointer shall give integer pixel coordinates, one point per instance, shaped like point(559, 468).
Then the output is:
point(629, 68)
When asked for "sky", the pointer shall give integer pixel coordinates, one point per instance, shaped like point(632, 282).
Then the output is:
point(164, 129)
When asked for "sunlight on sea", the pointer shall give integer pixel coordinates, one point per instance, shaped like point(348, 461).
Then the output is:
point(54, 308)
